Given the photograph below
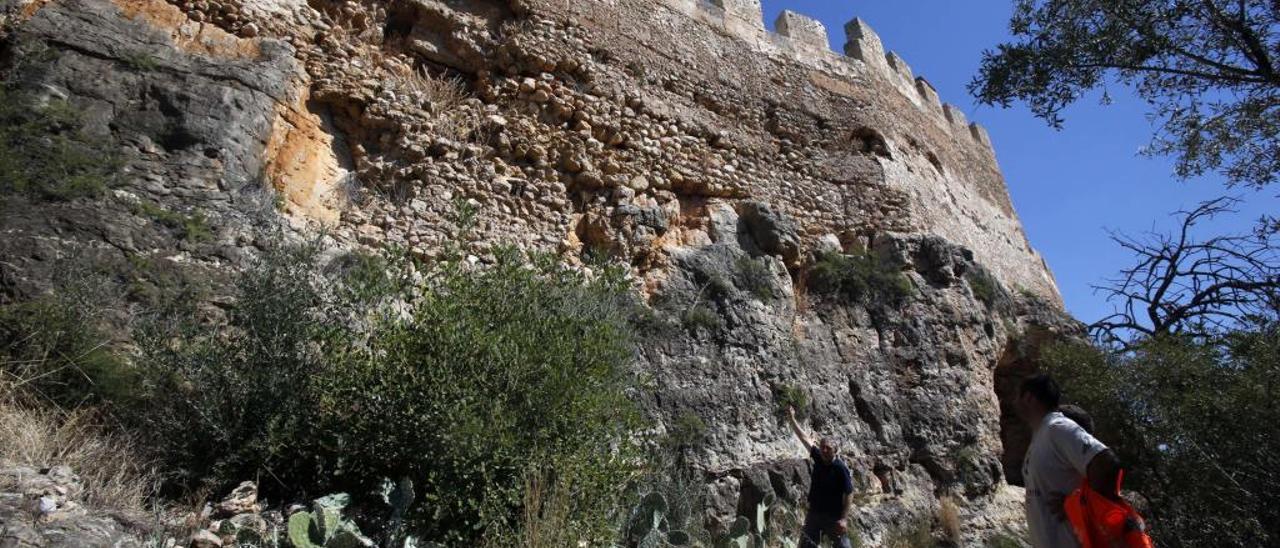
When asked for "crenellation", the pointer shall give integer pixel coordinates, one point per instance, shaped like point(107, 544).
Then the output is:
point(980, 135)
point(806, 39)
point(955, 116)
point(864, 45)
point(742, 17)
point(899, 66)
point(928, 94)
point(804, 31)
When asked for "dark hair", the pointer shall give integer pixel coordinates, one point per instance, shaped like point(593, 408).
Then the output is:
point(1044, 389)
point(1077, 415)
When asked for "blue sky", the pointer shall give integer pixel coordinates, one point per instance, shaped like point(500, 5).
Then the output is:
point(1071, 186)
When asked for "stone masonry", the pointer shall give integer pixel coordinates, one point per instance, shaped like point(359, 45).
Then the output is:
point(717, 159)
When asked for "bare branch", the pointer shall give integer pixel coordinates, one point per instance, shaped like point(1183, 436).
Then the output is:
point(1181, 284)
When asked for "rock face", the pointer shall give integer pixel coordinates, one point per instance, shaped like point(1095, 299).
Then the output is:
point(716, 158)
point(44, 508)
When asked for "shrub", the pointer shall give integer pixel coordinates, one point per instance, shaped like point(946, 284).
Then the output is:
point(862, 278)
point(496, 369)
point(984, 286)
point(915, 533)
point(1007, 539)
point(687, 431)
point(1162, 408)
point(756, 277)
point(140, 61)
point(700, 316)
point(786, 395)
point(229, 404)
point(44, 152)
point(193, 227)
point(467, 382)
point(57, 346)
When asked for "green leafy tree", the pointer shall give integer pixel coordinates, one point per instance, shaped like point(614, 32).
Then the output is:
point(1194, 422)
point(467, 380)
point(1210, 70)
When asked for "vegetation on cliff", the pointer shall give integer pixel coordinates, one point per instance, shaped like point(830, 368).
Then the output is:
point(473, 381)
point(45, 152)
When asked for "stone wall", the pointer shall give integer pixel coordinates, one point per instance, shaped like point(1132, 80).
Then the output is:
point(718, 160)
point(987, 222)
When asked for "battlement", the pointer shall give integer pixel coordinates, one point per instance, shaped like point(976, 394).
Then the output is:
point(803, 31)
point(807, 40)
point(742, 16)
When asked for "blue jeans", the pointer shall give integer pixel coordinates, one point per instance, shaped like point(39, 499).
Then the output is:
point(820, 527)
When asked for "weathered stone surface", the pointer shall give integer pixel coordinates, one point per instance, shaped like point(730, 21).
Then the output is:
point(242, 499)
point(677, 137)
point(191, 129)
point(44, 509)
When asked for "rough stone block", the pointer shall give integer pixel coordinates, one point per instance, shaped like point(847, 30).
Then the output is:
point(744, 17)
point(804, 31)
point(954, 115)
point(980, 135)
point(898, 65)
point(929, 94)
point(683, 6)
point(864, 45)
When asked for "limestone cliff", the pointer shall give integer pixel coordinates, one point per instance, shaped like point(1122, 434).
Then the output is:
point(675, 135)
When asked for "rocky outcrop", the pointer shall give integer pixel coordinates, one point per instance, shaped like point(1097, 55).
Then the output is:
point(716, 160)
point(46, 508)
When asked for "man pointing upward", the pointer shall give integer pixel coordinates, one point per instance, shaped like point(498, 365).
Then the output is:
point(830, 492)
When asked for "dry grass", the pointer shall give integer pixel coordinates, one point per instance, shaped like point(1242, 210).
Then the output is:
point(546, 520)
point(949, 519)
point(114, 477)
point(442, 98)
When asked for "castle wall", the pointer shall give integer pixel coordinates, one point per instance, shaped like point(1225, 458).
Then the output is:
point(956, 189)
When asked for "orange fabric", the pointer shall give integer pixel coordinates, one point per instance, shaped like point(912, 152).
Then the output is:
point(1103, 523)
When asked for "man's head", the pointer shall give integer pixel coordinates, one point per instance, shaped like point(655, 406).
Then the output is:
point(828, 449)
point(1039, 395)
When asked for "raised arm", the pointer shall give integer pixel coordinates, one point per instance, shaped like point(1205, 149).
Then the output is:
point(795, 427)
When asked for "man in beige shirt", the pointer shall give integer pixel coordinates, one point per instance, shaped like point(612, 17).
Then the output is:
point(1061, 455)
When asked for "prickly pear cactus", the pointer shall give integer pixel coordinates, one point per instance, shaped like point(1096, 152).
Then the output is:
point(324, 526)
point(646, 518)
point(399, 496)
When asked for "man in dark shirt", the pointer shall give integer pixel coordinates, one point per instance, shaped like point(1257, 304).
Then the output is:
point(830, 492)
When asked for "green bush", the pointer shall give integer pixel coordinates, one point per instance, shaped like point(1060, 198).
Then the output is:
point(1166, 408)
point(687, 431)
point(240, 402)
point(863, 278)
point(1006, 539)
point(786, 395)
point(193, 227)
point(700, 317)
point(57, 346)
point(985, 287)
point(44, 152)
point(468, 382)
point(756, 277)
point(915, 533)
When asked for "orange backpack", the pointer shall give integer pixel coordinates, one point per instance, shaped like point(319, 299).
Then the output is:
point(1103, 523)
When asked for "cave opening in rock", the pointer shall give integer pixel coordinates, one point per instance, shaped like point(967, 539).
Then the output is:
point(870, 141)
point(1015, 435)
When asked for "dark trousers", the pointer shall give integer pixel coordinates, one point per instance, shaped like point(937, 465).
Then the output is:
point(819, 528)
